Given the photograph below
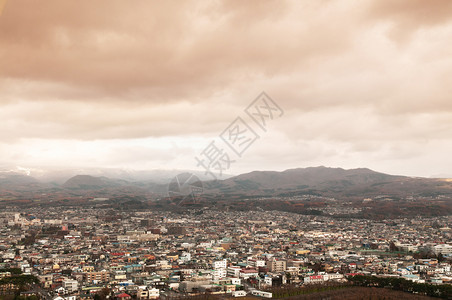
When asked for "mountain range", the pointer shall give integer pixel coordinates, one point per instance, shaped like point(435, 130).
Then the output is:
point(331, 182)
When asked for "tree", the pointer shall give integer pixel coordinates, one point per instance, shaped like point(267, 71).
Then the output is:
point(103, 293)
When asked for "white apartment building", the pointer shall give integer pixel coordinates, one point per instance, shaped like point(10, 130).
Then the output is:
point(234, 271)
point(70, 285)
point(219, 273)
point(444, 249)
point(148, 293)
point(220, 264)
point(256, 263)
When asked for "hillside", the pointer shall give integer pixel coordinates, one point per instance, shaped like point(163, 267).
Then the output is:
point(92, 182)
point(341, 184)
point(328, 182)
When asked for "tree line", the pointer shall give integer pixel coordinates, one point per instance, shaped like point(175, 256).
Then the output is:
point(400, 284)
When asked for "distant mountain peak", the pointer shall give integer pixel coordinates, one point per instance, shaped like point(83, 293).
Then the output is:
point(91, 182)
point(319, 178)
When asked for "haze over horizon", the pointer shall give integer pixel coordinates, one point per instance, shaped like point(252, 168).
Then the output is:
point(146, 85)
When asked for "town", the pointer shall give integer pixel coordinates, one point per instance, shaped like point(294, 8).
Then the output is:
point(90, 253)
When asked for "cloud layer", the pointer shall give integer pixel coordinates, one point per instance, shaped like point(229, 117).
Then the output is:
point(149, 85)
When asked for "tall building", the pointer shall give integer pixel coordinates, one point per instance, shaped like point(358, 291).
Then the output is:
point(220, 264)
point(70, 285)
point(276, 266)
point(103, 276)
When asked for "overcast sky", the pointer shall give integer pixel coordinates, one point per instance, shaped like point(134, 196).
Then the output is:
point(150, 84)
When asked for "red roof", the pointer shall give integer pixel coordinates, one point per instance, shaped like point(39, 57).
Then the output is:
point(248, 271)
point(123, 295)
point(353, 274)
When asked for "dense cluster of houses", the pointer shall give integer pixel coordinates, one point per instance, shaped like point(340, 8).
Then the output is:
point(88, 253)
